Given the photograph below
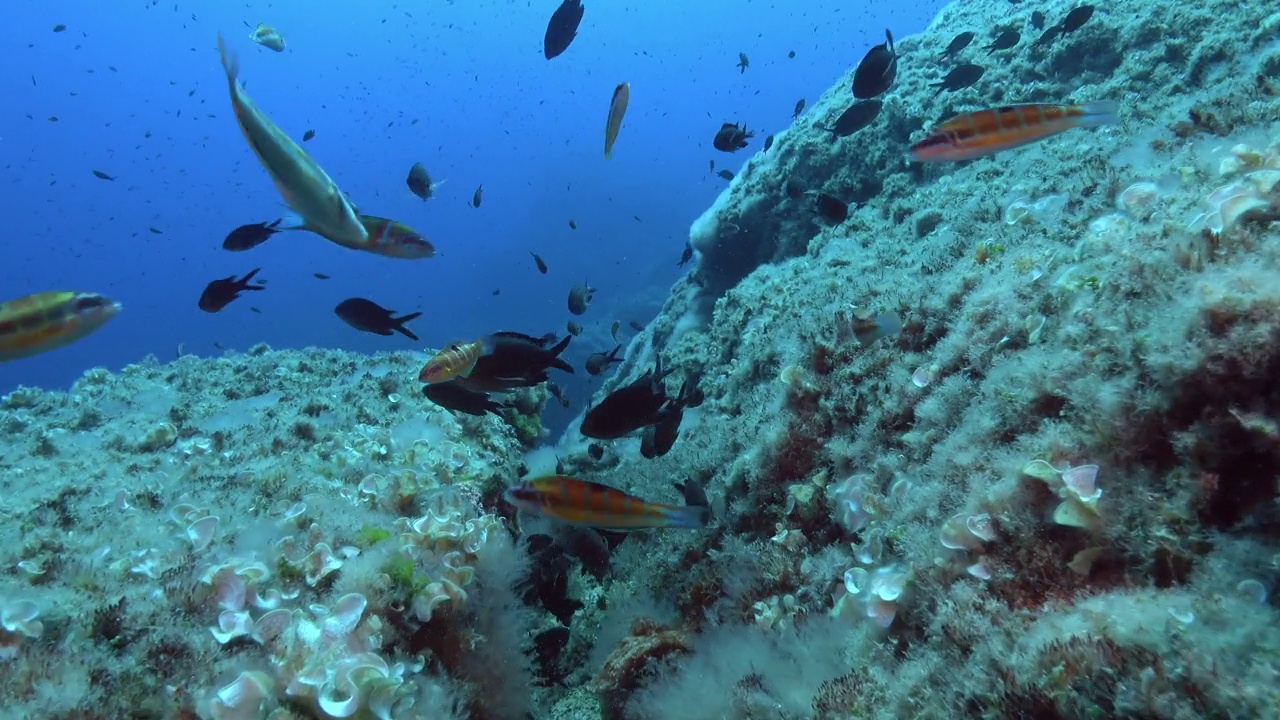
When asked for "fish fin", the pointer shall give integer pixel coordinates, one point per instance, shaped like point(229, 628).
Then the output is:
point(1103, 112)
point(230, 62)
point(689, 516)
point(272, 225)
point(291, 220)
point(488, 344)
point(560, 346)
point(400, 328)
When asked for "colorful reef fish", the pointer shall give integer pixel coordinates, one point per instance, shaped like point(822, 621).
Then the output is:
point(393, 239)
point(306, 188)
point(588, 504)
point(454, 361)
point(44, 321)
point(982, 133)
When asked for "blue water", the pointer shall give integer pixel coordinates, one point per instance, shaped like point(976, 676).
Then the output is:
point(490, 109)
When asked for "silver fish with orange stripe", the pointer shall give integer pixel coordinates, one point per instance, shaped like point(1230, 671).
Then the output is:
point(454, 361)
point(45, 321)
point(978, 134)
point(590, 504)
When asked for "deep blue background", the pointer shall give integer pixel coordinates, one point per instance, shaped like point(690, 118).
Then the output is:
point(490, 109)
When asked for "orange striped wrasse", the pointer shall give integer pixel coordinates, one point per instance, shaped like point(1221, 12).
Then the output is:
point(617, 108)
point(44, 321)
point(589, 504)
point(982, 133)
point(308, 191)
point(454, 361)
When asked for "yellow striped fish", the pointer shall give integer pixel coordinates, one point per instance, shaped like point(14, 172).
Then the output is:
point(309, 192)
point(454, 361)
point(44, 321)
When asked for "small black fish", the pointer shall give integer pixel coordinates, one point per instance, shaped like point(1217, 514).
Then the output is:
point(856, 117)
point(794, 190)
point(419, 181)
point(595, 451)
point(580, 297)
point(249, 236)
point(477, 196)
point(102, 176)
point(219, 293)
point(320, 276)
point(877, 70)
point(661, 436)
point(515, 360)
point(370, 317)
point(496, 292)
point(791, 54)
point(635, 326)
point(155, 230)
point(59, 27)
point(832, 209)
point(560, 471)
point(725, 174)
point(959, 43)
point(687, 255)
point(629, 408)
point(1076, 18)
point(558, 394)
point(961, 77)
point(798, 109)
point(598, 363)
point(573, 224)
point(711, 167)
point(1049, 35)
point(573, 328)
point(452, 396)
point(562, 28)
point(1037, 20)
point(1004, 41)
point(768, 143)
point(308, 135)
point(542, 266)
point(731, 138)
point(693, 494)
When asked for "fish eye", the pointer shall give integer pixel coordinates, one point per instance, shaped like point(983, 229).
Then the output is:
point(85, 303)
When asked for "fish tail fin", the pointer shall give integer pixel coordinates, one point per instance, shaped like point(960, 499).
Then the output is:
point(230, 62)
point(688, 516)
point(488, 344)
point(400, 328)
point(1103, 112)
